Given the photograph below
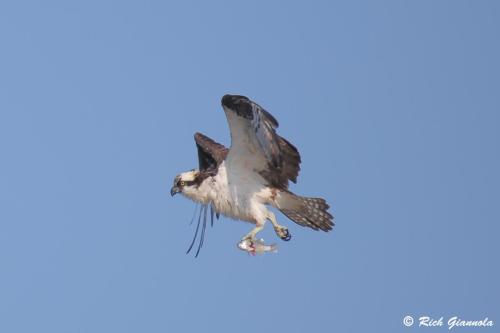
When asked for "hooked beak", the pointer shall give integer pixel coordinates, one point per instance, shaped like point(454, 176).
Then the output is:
point(174, 190)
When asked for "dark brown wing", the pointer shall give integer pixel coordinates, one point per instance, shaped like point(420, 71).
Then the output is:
point(210, 153)
point(287, 169)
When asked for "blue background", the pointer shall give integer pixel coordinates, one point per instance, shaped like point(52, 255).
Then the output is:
point(394, 106)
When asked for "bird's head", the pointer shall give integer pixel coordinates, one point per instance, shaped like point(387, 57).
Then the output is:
point(237, 103)
point(186, 183)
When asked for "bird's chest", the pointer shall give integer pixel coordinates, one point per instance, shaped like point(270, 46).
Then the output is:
point(232, 197)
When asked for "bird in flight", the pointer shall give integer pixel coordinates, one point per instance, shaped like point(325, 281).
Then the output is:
point(240, 182)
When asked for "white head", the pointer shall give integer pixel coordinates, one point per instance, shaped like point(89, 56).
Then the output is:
point(187, 183)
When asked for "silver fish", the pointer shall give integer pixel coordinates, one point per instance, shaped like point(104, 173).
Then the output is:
point(256, 246)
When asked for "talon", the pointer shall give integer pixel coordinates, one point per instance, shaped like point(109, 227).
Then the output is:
point(247, 244)
point(284, 234)
point(251, 249)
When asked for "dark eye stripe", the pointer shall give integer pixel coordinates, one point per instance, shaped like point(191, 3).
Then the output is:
point(186, 183)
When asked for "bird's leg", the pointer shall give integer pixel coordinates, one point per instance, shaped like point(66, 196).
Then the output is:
point(280, 230)
point(247, 242)
point(251, 235)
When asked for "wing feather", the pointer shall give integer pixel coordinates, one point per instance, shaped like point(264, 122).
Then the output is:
point(210, 153)
point(254, 140)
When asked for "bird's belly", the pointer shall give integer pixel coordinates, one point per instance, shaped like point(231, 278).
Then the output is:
point(234, 194)
point(232, 209)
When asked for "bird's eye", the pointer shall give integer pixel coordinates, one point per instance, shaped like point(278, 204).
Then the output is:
point(182, 183)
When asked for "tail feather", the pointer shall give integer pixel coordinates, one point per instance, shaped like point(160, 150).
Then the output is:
point(307, 212)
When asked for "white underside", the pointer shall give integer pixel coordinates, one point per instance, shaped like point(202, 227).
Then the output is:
point(237, 196)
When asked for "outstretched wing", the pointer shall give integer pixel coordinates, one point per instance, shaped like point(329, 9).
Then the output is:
point(255, 145)
point(210, 153)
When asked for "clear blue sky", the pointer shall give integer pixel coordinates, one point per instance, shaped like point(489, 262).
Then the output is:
point(395, 107)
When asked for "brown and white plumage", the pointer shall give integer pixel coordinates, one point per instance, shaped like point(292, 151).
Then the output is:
point(239, 182)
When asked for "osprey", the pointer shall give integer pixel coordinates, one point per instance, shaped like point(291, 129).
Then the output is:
point(241, 181)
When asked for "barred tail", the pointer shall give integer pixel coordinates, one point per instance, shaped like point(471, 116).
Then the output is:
point(307, 212)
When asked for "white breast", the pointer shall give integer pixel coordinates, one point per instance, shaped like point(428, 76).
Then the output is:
point(235, 194)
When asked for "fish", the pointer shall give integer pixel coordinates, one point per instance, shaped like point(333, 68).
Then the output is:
point(256, 246)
